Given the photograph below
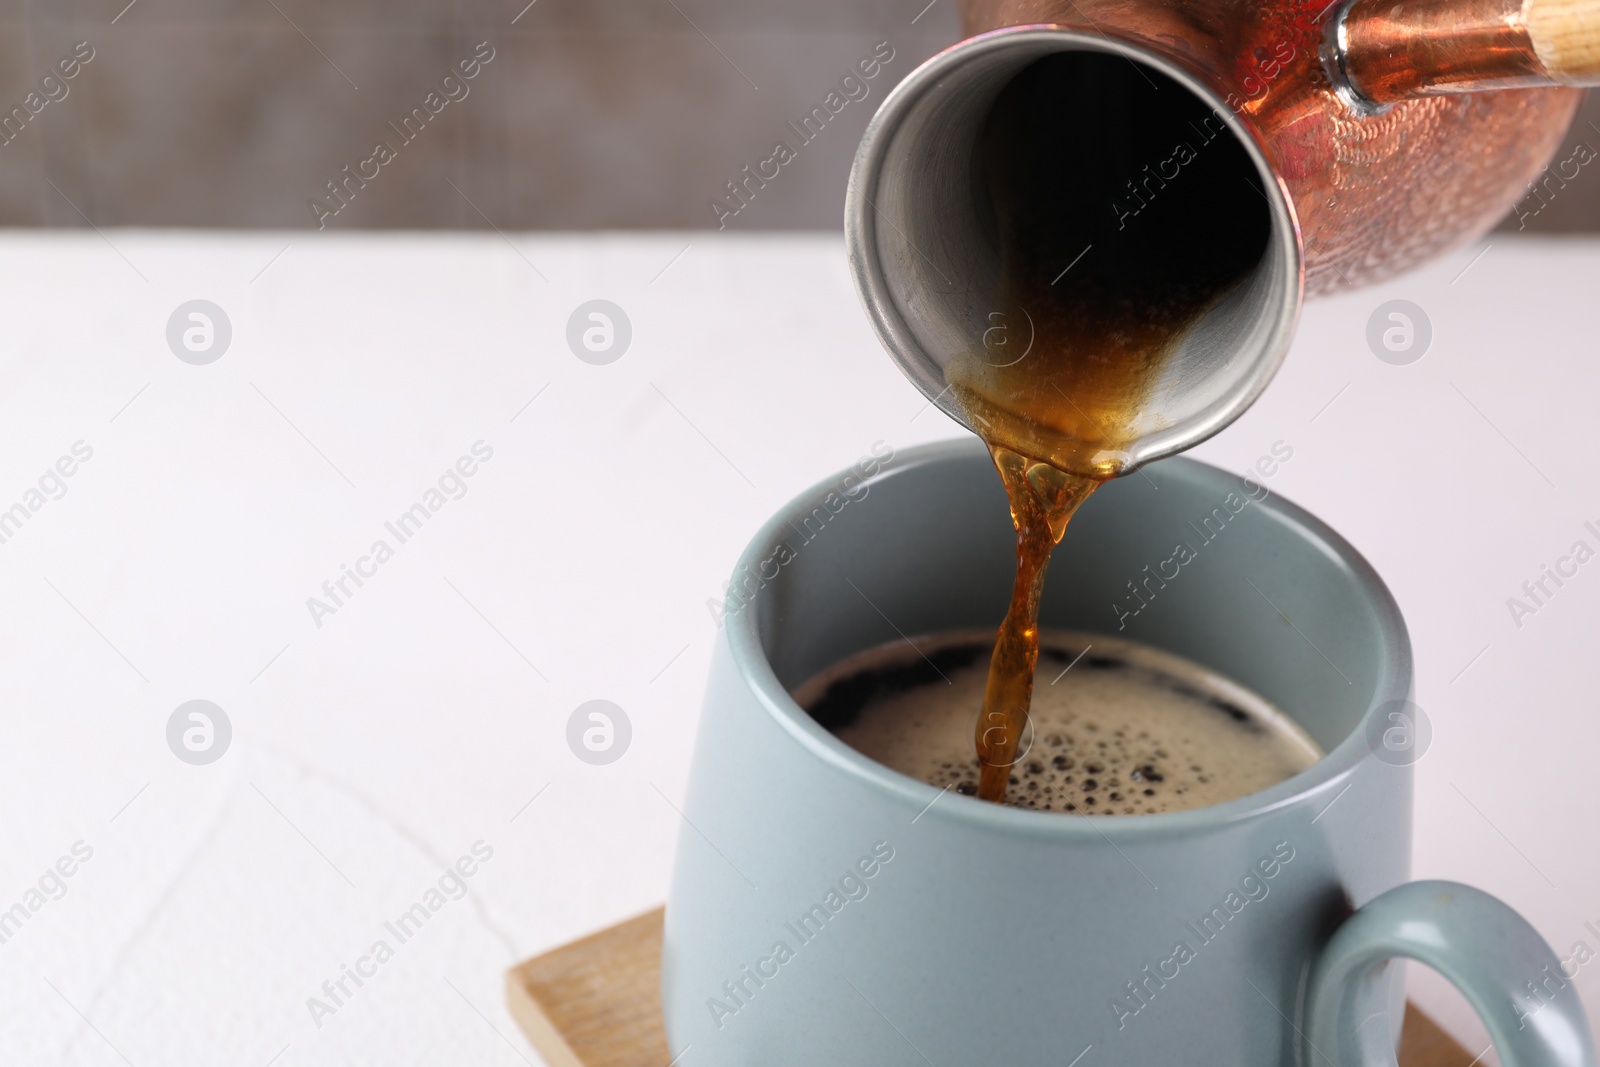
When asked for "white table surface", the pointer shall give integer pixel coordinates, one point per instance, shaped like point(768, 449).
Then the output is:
point(426, 713)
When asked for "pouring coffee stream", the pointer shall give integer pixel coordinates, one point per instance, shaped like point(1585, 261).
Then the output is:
point(1085, 232)
point(1056, 413)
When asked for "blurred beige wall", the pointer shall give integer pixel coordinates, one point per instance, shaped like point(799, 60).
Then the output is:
point(585, 114)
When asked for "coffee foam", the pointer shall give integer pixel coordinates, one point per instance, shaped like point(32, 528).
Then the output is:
point(1116, 728)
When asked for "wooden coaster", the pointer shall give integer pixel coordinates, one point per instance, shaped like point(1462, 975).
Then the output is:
point(596, 1003)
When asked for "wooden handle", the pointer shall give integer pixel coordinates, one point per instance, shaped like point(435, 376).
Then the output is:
point(1566, 38)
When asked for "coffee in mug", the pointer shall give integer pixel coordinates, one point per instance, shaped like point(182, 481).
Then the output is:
point(1116, 728)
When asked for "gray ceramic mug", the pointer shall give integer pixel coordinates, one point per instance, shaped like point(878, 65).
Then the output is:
point(827, 910)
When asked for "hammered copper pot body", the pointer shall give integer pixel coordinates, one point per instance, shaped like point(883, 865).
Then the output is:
point(1372, 196)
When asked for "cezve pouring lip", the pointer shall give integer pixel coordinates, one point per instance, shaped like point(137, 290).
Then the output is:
point(1384, 135)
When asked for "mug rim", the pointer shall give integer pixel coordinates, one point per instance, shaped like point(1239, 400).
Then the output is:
point(755, 670)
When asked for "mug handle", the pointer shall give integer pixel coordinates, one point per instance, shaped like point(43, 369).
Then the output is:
point(1485, 949)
